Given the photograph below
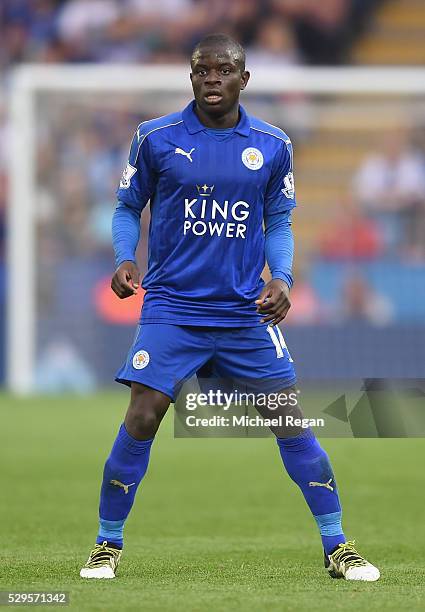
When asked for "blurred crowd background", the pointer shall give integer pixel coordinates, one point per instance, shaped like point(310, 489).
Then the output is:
point(165, 31)
point(359, 297)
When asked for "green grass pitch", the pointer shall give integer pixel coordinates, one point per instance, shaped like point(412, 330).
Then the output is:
point(217, 524)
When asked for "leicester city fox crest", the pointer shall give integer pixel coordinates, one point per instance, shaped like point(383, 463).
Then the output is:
point(252, 158)
point(141, 360)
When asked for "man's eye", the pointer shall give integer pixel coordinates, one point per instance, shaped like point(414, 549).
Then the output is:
point(202, 72)
point(226, 71)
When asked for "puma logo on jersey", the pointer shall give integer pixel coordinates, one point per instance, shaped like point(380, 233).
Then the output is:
point(184, 153)
point(327, 485)
point(117, 483)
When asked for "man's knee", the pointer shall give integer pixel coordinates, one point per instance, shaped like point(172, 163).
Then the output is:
point(146, 411)
point(283, 406)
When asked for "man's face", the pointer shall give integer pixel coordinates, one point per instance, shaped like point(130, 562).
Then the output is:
point(217, 80)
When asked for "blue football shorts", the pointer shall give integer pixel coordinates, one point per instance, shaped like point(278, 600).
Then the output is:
point(164, 356)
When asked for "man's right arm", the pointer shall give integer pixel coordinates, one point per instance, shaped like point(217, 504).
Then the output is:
point(125, 233)
point(125, 238)
point(137, 185)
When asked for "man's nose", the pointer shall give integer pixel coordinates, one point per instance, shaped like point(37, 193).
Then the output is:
point(213, 77)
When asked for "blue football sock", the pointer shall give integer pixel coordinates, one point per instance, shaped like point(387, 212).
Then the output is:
point(308, 465)
point(124, 469)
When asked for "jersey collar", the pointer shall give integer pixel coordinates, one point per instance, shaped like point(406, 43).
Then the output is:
point(193, 124)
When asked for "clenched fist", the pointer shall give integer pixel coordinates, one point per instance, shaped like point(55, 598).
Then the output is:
point(273, 302)
point(125, 281)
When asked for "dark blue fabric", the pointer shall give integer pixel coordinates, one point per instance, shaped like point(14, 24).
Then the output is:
point(309, 467)
point(279, 242)
point(222, 134)
point(279, 246)
point(125, 233)
point(127, 464)
point(164, 355)
point(208, 201)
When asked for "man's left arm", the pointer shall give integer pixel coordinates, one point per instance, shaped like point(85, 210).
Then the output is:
point(273, 302)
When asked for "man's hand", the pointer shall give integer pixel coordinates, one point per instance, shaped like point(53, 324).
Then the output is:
point(125, 281)
point(273, 302)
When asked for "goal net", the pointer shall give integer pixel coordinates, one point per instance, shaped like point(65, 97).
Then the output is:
point(359, 140)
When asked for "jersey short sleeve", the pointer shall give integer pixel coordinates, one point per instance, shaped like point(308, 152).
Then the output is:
point(280, 193)
point(138, 180)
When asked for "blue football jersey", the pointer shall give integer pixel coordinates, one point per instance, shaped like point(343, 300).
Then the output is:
point(208, 198)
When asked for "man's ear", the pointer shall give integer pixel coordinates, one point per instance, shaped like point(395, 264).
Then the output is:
point(244, 79)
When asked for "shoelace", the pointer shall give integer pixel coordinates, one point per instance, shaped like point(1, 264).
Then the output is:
point(349, 555)
point(100, 554)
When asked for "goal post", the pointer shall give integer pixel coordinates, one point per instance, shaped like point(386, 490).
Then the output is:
point(30, 81)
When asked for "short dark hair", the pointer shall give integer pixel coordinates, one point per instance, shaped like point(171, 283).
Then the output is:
point(222, 40)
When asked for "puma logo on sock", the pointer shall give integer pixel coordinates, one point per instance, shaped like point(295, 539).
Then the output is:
point(117, 483)
point(327, 485)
